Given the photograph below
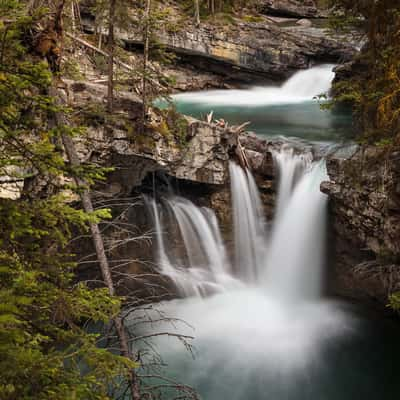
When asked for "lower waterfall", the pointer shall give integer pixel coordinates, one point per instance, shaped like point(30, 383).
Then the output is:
point(253, 299)
point(285, 261)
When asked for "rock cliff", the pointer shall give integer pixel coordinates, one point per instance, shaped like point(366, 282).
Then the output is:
point(364, 195)
point(289, 8)
point(242, 51)
point(199, 152)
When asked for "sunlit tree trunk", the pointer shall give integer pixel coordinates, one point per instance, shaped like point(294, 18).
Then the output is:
point(146, 44)
point(110, 91)
point(197, 13)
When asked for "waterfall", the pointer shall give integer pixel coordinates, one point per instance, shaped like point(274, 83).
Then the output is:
point(296, 251)
point(252, 296)
point(202, 266)
point(289, 166)
point(257, 312)
point(302, 86)
point(286, 262)
point(248, 224)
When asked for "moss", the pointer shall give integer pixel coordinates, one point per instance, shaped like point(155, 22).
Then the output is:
point(144, 141)
point(385, 142)
point(386, 256)
point(93, 114)
point(70, 69)
point(163, 129)
point(100, 63)
point(253, 18)
point(373, 85)
point(177, 125)
point(221, 18)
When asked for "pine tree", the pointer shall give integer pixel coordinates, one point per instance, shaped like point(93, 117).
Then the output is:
point(46, 350)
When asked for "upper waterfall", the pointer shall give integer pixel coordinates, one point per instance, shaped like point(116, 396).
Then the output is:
point(302, 86)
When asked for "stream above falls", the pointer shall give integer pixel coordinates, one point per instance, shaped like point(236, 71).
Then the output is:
point(263, 328)
point(292, 110)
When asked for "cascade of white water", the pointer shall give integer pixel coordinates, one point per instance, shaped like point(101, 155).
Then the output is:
point(302, 86)
point(291, 167)
point(202, 240)
point(295, 254)
point(248, 224)
point(203, 267)
point(287, 264)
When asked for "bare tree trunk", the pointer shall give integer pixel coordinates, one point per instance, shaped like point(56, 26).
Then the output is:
point(78, 15)
point(197, 13)
point(110, 91)
point(60, 120)
point(146, 43)
point(73, 158)
point(73, 17)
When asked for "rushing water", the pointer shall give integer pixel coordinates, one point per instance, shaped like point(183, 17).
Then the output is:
point(290, 110)
point(263, 329)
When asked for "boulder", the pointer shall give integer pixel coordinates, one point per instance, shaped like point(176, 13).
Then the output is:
point(306, 23)
point(289, 8)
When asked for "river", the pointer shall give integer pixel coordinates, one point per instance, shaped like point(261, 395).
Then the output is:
point(263, 327)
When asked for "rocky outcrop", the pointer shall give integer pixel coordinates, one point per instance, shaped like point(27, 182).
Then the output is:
point(289, 8)
point(199, 153)
point(192, 162)
point(364, 193)
point(242, 51)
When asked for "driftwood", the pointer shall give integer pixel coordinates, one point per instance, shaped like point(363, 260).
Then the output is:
point(234, 137)
point(97, 50)
point(116, 60)
point(235, 132)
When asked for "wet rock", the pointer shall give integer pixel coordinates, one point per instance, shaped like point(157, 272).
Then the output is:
point(366, 217)
point(306, 23)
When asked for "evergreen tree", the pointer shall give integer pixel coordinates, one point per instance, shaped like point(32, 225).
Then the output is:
point(46, 350)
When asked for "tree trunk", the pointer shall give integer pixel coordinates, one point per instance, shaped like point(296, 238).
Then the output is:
point(110, 88)
point(196, 13)
point(60, 121)
point(73, 17)
point(146, 43)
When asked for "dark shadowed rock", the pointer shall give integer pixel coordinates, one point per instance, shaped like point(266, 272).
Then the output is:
point(289, 8)
point(365, 205)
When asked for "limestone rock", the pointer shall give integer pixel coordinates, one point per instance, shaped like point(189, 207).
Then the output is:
point(365, 206)
point(245, 51)
point(201, 158)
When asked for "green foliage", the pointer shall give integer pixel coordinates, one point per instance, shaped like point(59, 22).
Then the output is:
point(374, 86)
point(222, 7)
point(176, 124)
point(394, 301)
point(70, 69)
point(253, 18)
point(46, 351)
